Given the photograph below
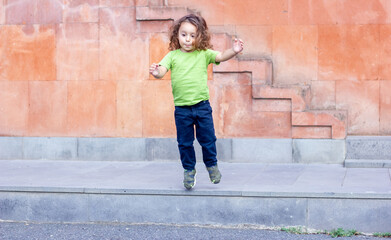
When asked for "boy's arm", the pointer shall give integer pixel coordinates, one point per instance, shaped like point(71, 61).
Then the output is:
point(157, 70)
point(230, 53)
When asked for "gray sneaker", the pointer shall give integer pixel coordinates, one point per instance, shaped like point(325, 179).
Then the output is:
point(214, 174)
point(189, 180)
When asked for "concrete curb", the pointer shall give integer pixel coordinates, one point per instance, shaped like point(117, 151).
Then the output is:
point(367, 163)
point(165, 192)
point(165, 149)
point(320, 196)
point(319, 213)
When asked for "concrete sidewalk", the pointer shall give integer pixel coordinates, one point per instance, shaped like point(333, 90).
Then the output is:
point(319, 196)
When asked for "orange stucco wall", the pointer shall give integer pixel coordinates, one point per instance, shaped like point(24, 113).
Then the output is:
point(310, 68)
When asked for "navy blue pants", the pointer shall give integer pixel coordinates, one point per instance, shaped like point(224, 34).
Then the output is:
point(200, 117)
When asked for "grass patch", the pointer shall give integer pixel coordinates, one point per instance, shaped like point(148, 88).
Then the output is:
point(383, 235)
point(294, 230)
point(340, 232)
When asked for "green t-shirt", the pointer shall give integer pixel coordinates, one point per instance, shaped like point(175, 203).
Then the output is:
point(189, 76)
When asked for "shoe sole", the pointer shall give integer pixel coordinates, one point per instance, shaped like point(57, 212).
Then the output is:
point(216, 181)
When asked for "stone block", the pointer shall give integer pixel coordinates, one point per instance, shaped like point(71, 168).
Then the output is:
point(221, 41)
point(14, 107)
point(154, 27)
point(311, 132)
point(48, 12)
point(92, 114)
point(323, 95)
point(335, 119)
point(84, 11)
point(158, 48)
point(291, 65)
point(162, 149)
point(262, 150)
point(2, 13)
point(50, 148)
point(343, 52)
point(258, 40)
point(120, 45)
point(367, 163)
point(155, 3)
point(14, 206)
point(77, 51)
point(11, 148)
point(376, 179)
point(212, 11)
point(385, 107)
point(362, 12)
point(158, 109)
point(261, 70)
point(117, 21)
point(140, 3)
point(302, 12)
point(363, 215)
point(37, 61)
point(51, 207)
point(197, 210)
point(271, 105)
point(295, 94)
point(318, 151)
point(236, 119)
point(33, 12)
point(249, 12)
point(48, 108)
point(385, 52)
point(368, 147)
point(112, 149)
point(129, 108)
point(122, 3)
point(224, 149)
point(167, 149)
point(160, 13)
point(361, 99)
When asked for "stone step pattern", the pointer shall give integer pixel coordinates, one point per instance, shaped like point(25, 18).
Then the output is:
point(306, 123)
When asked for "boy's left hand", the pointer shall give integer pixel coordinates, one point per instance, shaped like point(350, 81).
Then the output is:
point(238, 45)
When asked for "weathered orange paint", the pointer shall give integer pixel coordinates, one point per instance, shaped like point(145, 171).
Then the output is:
point(14, 108)
point(28, 52)
point(47, 108)
point(385, 107)
point(91, 108)
point(310, 68)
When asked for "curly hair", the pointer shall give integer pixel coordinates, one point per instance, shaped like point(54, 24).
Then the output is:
point(202, 40)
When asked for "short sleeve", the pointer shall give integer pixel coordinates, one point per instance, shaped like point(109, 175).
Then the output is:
point(211, 56)
point(167, 61)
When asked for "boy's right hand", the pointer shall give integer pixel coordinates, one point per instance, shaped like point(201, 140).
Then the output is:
point(154, 69)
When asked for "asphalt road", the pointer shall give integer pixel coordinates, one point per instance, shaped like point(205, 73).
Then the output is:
point(100, 231)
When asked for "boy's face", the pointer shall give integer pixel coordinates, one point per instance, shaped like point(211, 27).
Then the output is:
point(186, 35)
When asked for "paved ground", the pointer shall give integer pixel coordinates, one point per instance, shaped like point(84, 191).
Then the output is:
point(238, 178)
point(30, 231)
point(149, 179)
